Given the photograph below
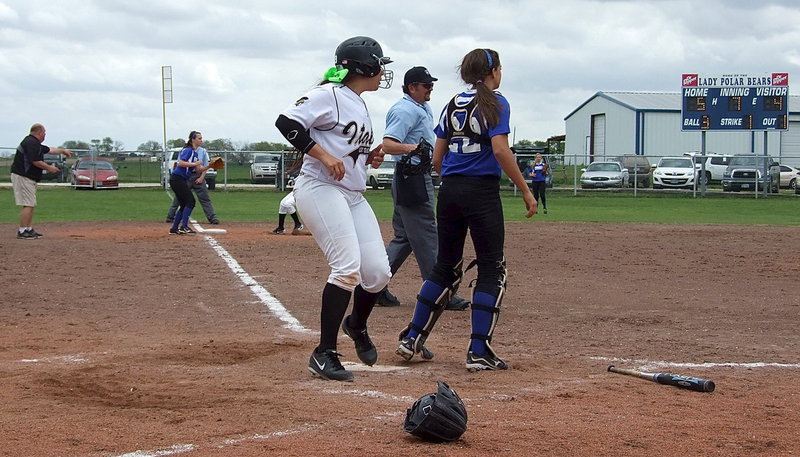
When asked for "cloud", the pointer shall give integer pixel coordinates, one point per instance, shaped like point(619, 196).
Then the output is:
point(91, 69)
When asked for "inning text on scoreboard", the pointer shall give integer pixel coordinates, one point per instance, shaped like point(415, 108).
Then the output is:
point(735, 102)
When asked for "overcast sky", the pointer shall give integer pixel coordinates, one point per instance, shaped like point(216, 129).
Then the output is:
point(92, 69)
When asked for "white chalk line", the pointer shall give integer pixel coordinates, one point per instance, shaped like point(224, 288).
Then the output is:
point(274, 305)
point(182, 448)
point(177, 449)
point(58, 359)
point(644, 364)
point(258, 290)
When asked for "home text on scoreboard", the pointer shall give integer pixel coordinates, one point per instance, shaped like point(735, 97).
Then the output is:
point(735, 102)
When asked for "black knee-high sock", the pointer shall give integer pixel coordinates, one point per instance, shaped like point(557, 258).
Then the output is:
point(295, 219)
point(363, 302)
point(335, 301)
point(281, 219)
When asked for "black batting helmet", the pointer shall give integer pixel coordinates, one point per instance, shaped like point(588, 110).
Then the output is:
point(363, 56)
point(439, 416)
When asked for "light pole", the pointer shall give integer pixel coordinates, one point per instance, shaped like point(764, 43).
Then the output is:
point(166, 97)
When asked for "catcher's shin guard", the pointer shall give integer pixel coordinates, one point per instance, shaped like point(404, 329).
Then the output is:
point(485, 312)
point(426, 314)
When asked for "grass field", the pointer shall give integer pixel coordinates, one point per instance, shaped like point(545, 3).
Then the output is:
point(66, 204)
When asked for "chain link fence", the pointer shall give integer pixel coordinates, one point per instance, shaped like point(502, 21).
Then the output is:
point(693, 173)
point(642, 174)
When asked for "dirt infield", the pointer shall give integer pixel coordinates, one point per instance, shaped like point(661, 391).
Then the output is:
point(116, 339)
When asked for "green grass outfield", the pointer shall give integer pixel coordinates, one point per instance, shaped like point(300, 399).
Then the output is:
point(58, 204)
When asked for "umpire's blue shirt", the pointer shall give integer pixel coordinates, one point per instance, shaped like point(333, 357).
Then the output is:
point(408, 122)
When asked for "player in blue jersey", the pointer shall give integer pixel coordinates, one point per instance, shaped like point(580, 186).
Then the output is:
point(470, 154)
point(538, 171)
point(189, 162)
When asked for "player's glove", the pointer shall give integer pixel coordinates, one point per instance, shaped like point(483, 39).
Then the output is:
point(424, 151)
point(217, 163)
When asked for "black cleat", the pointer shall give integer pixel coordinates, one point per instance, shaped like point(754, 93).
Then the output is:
point(488, 361)
point(27, 234)
point(364, 348)
point(406, 350)
point(386, 298)
point(457, 304)
point(326, 365)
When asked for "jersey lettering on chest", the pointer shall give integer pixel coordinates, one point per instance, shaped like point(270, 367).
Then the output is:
point(360, 137)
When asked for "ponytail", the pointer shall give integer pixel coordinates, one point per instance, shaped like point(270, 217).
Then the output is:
point(476, 66)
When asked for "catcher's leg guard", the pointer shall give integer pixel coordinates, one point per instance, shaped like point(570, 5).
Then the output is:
point(485, 312)
point(431, 302)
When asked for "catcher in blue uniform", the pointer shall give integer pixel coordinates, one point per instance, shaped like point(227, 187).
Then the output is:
point(470, 153)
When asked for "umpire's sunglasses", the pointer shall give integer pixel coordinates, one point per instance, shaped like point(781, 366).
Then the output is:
point(426, 85)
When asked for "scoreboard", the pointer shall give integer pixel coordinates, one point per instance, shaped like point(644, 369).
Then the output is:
point(735, 102)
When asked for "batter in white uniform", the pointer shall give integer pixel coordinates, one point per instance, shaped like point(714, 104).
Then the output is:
point(330, 126)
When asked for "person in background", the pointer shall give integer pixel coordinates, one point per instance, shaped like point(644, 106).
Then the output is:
point(26, 172)
point(189, 163)
point(288, 206)
point(198, 184)
point(537, 172)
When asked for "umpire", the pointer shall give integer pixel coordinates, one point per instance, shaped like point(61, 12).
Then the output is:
point(198, 185)
point(408, 122)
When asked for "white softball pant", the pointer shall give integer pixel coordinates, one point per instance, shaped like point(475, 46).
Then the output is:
point(287, 204)
point(345, 228)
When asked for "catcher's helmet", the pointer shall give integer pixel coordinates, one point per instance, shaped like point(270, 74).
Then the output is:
point(439, 416)
point(364, 56)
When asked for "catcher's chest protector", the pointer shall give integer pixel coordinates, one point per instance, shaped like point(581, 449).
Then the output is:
point(465, 120)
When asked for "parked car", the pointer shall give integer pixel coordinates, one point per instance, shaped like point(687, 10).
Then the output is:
point(94, 174)
point(60, 162)
point(604, 174)
point(169, 165)
point(675, 172)
point(264, 168)
point(381, 176)
point(746, 172)
point(638, 169)
point(789, 176)
point(715, 164)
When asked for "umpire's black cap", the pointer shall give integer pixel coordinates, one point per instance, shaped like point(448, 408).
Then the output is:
point(418, 75)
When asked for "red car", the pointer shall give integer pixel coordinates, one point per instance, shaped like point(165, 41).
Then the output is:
point(94, 174)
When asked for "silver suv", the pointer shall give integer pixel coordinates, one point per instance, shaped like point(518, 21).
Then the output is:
point(747, 171)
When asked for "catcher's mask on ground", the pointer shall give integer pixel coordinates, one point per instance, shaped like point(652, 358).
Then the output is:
point(439, 416)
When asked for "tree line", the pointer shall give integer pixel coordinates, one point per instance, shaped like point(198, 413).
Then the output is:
point(109, 145)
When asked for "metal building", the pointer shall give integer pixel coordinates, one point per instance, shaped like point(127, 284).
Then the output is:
point(610, 124)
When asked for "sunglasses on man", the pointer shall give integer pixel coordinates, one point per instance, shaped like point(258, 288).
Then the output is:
point(426, 85)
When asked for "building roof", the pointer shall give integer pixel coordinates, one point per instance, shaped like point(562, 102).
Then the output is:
point(655, 101)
